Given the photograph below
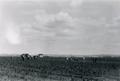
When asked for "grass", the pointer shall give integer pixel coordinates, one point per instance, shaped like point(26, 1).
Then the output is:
point(58, 69)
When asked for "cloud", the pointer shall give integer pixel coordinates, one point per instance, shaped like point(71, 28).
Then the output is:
point(64, 25)
point(58, 25)
point(12, 34)
point(49, 25)
point(35, 19)
point(75, 3)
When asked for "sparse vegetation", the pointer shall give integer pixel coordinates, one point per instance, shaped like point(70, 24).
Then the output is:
point(60, 69)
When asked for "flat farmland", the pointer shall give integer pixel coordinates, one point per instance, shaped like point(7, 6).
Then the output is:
point(59, 69)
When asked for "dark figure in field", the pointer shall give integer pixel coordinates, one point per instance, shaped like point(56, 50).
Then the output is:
point(71, 59)
point(40, 55)
point(94, 60)
point(37, 56)
point(25, 56)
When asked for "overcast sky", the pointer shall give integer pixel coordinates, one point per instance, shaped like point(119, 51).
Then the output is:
point(77, 27)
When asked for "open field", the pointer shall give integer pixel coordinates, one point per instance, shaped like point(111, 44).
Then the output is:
point(60, 69)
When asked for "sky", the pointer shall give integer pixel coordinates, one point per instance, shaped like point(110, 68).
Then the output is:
point(61, 27)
